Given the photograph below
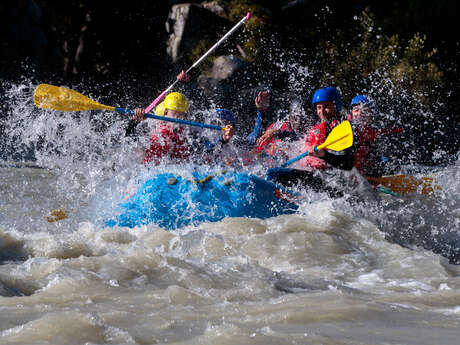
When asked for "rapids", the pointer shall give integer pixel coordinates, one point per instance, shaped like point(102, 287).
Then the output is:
point(376, 270)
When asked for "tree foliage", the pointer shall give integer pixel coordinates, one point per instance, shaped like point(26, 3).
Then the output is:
point(408, 64)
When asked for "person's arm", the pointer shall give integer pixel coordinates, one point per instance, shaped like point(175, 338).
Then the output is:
point(228, 133)
point(252, 137)
point(262, 102)
point(276, 133)
point(209, 146)
point(188, 86)
point(183, 76)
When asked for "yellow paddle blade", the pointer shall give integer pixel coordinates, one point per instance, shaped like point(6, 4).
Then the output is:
point(404, 184)
point(60, 98)
point(340, 138)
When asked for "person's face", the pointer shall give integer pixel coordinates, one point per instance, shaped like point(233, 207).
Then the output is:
point(361, 113)
point(296, 118)
point(222, 123)
point(295, 121)
point(176, 114)
point(326, 110)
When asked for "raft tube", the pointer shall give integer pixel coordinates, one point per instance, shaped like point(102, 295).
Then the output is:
point(173, 201)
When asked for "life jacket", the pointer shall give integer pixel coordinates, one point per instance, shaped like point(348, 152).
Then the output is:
point(167, 142)
point(316, 136)
point(367, 137)
point(269, 153)
point(270, 147)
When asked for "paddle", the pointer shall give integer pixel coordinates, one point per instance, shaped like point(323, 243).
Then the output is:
point(161, 96)
point(404, 184)
point(340, 138)
point(60, 98)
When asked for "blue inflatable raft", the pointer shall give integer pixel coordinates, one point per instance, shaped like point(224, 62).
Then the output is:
point(173, 201)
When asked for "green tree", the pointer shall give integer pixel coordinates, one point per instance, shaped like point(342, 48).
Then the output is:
point(354, 65)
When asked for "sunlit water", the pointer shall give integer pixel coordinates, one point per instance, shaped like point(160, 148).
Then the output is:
point(343, 271)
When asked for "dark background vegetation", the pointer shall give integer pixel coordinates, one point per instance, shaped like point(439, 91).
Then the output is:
point(403, 53)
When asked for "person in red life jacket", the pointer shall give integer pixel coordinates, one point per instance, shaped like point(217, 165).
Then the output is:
point(368, 159)
point(168, 140)
point(171, 141)
point(277, 132)
point(328, 104)
point(361, 113)
point(272, 147)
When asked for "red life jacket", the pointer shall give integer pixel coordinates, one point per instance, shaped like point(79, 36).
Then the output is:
point(367, 136)
point(270, 146)
point(316, 136)
point(167, 142)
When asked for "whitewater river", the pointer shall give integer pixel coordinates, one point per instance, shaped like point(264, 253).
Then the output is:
point(374, 271)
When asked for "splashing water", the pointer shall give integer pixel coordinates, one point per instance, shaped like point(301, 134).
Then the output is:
point(324, 274)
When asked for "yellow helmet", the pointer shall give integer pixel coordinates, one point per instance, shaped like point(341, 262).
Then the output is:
point(160, 109)
point(176, 101)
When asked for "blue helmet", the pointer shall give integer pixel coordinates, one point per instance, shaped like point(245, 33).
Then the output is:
point(226, 115)
point(330, 94)
point(360, 99)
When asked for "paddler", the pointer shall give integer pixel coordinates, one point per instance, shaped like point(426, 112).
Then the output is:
point(363, 155)
point(171, 141)
point(168, 140)
point(286, 130)
point(224, 118)
point(368, 159)
point(328, 103)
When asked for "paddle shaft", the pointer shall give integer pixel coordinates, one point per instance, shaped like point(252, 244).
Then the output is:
point(241, 22)
point(163, 94)
point(169, 119)
point(295, 159)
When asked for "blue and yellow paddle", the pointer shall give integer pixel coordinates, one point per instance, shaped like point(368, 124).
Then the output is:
point(60, 98)
point(340, 138)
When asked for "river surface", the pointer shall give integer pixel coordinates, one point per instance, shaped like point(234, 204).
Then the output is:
point(379, 270)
